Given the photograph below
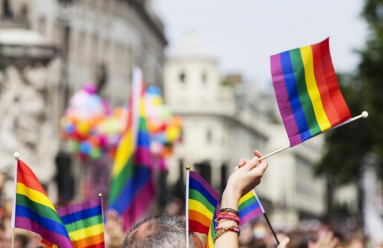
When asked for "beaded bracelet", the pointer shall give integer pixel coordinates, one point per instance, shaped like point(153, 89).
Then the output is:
point(228, 216)
point(232, 228)
point(225, 229)
point(231, 210)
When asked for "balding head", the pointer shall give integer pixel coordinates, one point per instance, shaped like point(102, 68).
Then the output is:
point(163, 231)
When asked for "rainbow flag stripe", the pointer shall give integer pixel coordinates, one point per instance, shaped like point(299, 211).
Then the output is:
point(84, 223)
point(203, 202)
point(307, 91)
point(249, 207)
point(132, 188)
point(34, 211)
point(211, 234)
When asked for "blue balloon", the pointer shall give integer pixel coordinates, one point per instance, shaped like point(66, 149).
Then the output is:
point(153, 90)
point(85, 147)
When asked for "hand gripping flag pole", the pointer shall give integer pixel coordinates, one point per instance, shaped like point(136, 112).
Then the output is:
point(363, 115)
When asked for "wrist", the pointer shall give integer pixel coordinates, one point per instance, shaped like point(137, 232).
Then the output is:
point(230, 199)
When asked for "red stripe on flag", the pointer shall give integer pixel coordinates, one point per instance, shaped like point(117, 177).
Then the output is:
point(332, 83)
point(195, 226)
point(26, 176)
point(328, 106)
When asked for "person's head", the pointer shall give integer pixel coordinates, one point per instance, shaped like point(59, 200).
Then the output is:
point(162, 231)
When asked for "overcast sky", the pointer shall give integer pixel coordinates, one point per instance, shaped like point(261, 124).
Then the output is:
point(242, 34)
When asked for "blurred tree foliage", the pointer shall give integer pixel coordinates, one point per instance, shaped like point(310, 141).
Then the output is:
point(347, 147)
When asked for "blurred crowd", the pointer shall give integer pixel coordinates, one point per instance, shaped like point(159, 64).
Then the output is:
point(253, 235)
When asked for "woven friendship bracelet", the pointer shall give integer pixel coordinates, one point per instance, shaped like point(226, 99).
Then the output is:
point(228, 216)
point(225, 229)
point(231, 210)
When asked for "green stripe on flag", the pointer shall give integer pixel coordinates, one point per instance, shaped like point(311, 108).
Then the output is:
point(119, 182)
point(92, 221)
point(250, 201)
point(38, 208)
point(304, 97)
point(195, 195)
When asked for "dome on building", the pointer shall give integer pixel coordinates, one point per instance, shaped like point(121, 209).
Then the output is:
point(190, 48)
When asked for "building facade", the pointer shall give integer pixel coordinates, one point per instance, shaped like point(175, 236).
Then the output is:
point(98, 40)
point(224, 121)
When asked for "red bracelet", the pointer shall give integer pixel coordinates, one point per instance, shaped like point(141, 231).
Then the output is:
point(228, 216)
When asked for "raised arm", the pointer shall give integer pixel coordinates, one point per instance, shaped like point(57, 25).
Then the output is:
point(247, 176)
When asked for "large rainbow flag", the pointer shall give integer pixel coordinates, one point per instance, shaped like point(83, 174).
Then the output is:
point(202, 207)
point(131, 190)
point(249, 207)
point(307, 91)
point(84, 223)
point(34, 211)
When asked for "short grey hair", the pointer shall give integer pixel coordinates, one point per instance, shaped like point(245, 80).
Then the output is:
point(164, 231)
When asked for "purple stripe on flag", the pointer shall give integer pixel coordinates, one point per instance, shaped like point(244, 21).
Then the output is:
point(143, 157)
point(252, 215)
point(55, 238)
point(139, 206)
point(202, 181)
point(283, 100)
point(78, 207)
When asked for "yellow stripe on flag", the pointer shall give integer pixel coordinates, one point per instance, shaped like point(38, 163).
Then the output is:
point(199, 207)
point(209, 241)
point(124, 152)
point(34, 195)
point(246, 197)
point(312, 88)
point(86, 232)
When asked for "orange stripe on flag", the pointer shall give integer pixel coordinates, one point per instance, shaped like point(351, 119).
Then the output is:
point(89, 241)
point(197, 216)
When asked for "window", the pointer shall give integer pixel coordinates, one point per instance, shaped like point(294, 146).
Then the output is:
point(204, 77)
point(209, 136)
point(182, 77)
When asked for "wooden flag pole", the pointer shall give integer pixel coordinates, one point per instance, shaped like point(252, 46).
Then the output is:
point(363, 115)
point(271, 228)
point(16, 155)
point(187, 206)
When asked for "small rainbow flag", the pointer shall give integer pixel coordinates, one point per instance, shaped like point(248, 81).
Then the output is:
point(34, 211)
point(84, 223)
point(249, 207)
point(307, 91)
point(202, 201)
point(131, 190)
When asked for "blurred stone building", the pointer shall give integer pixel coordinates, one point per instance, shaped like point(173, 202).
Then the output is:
point(96, 41)
point(224, 120)
point(99, 40)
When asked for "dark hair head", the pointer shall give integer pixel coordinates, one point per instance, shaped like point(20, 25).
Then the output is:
point(163, 231)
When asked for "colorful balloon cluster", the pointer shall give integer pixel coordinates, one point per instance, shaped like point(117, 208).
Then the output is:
point(93, 130)
point(89, 125)
point(164, 128)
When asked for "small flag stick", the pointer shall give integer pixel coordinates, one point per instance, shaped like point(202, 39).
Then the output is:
point(16, 155)
point(187, 206)
point(102, 211)
point(271, 228)
point(363, 115)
